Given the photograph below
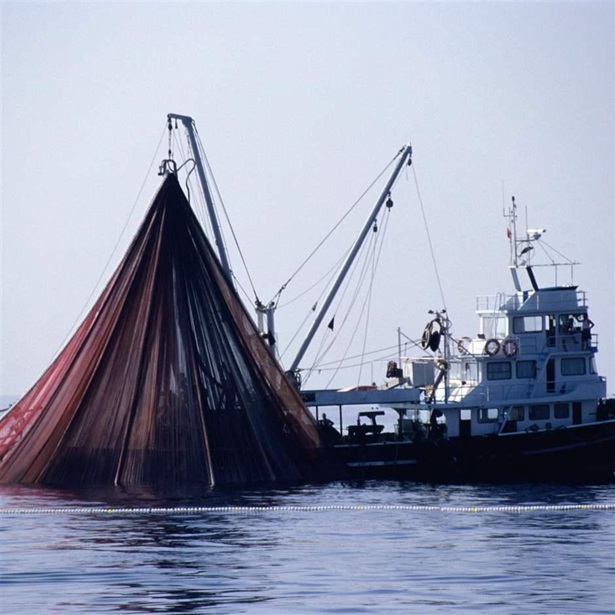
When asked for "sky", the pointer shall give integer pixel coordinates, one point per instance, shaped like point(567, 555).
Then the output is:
point(300, 107)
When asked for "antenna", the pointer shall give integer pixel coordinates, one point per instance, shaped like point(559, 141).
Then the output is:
point(503, 200)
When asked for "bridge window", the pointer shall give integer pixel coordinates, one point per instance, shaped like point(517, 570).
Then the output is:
point(494, 326)
point(526, 369)
point(539, 412)
point(498, 370)
point(592, 366)
point(527, 324)
point(488, 415)
point(573, 366)
point(517, 413)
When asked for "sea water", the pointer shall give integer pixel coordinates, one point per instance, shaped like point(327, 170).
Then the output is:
point(370, 547)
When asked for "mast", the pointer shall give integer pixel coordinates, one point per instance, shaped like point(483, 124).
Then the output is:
point(188, 123)
point(405, 157)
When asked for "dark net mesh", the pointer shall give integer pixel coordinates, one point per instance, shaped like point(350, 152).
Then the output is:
point(166, 381)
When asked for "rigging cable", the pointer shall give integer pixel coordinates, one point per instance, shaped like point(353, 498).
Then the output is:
point(369, 305)
point(319, 281)
point(115, 247)
point(198, 204)
point(433, 256)
point(361, 364)
point(186, 158)
point(228, 220)
point(322, 351)
point(542, 243)
point(356, 356)
point(296, 333)
point(365, 250)
point(362, 277)
point(375, 259)
point(371, 285)
point(277, 295)
point(313, 308)
point(416, 343)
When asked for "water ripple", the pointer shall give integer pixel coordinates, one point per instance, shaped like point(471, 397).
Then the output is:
point(328, 561)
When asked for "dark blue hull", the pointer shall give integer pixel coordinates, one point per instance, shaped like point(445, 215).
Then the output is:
point(579, 453)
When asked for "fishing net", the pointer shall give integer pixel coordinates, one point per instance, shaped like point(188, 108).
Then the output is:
point(166, 381)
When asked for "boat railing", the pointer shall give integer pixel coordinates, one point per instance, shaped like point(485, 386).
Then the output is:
point(488, 303)
point(554, 299)
point(529, 390)
point(572, 342)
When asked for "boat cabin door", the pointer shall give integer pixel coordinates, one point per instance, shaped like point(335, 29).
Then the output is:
point(465, 423)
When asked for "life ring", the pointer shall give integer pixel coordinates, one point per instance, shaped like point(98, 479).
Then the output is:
point(509, 347)
point(463, 345)
point(492, 347)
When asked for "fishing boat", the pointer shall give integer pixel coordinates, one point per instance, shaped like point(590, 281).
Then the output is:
point(520, 400)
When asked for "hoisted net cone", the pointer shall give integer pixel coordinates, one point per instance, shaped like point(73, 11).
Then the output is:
point(166, 381)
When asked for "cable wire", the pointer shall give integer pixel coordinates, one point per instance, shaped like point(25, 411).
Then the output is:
point(335, 227)
point(433, 256)
point(115, 247)
point(226, 215)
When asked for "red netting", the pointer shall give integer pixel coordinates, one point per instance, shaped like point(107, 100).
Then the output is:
point(167, 380)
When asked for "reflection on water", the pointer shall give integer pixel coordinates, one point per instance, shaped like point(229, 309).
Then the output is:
point(326, 561)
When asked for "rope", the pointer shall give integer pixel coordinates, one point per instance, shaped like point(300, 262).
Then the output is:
point(294, 337)
point(361, 356)
point(228, 220)
point(375, 263)
point(366, 302)
point(243, 510)
point(179, 143)
point(324, 277)
point(433, 256)
point(372, 258)
point(335, 227)
point(115, 247)
point(322, 350)
point(323, 347)
point(312, 309)
point(339, 367)
point(542, 243)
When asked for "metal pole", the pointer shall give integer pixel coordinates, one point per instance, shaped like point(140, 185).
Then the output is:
point(188, 122)
point(270, 310)
point(406, 153)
